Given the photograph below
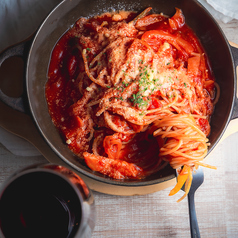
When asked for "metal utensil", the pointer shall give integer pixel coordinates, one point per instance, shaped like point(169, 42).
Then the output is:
point(198, 178)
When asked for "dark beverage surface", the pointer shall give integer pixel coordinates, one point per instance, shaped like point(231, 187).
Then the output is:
point(40, 205)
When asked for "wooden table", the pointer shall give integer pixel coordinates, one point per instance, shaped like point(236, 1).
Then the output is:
point(157, 214)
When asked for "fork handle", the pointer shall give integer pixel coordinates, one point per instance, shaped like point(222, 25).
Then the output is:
point(194, 229)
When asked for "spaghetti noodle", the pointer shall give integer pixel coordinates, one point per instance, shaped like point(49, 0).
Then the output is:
point(132, 93)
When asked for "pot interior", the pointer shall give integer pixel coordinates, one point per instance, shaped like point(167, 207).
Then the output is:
point(66, 14)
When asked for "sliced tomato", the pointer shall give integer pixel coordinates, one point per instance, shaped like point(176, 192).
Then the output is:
point(193, 65)
point(154, 103)
point(149, 21)
point(117, 169)
point(112, 146)
point(177, 20)
point(155, 37)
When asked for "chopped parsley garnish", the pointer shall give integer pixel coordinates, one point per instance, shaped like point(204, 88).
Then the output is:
point(139, 100)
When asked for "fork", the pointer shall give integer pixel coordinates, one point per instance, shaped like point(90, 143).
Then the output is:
point(198, 178)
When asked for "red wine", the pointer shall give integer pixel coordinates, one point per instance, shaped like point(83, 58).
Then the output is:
point(40, 204)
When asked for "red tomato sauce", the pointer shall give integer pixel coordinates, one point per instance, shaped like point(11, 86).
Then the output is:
point(67, 78)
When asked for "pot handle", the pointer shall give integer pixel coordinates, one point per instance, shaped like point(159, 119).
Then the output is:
point(20, 50)
point(234, 50)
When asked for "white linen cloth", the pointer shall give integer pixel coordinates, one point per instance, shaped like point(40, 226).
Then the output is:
point(227, 8)
point(221, 9)
point(20, 18)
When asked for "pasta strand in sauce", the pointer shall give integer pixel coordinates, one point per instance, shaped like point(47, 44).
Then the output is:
point(130, 94)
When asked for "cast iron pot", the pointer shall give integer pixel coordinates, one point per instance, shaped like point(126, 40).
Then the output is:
point(37, 53)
